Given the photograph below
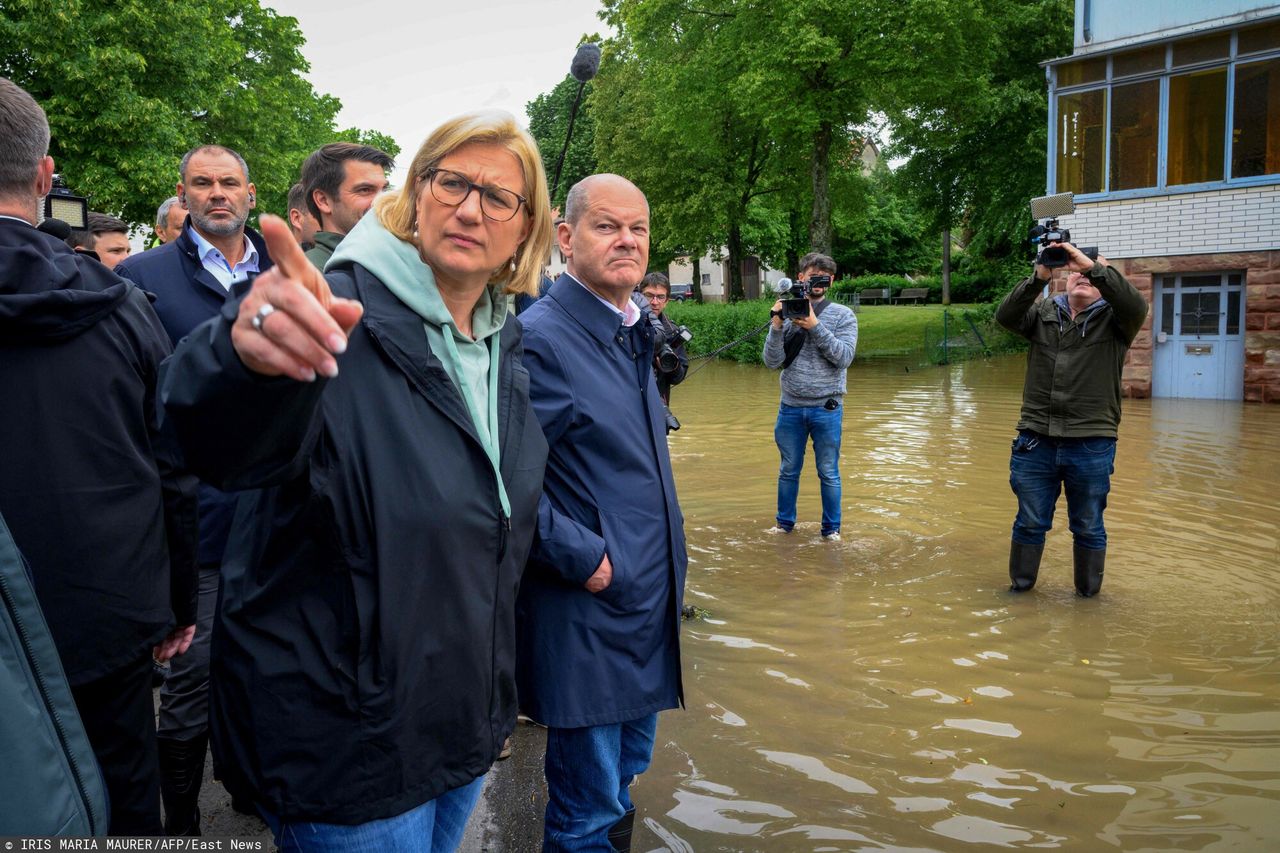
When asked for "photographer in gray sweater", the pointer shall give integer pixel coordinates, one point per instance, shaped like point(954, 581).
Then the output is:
point(814, 352)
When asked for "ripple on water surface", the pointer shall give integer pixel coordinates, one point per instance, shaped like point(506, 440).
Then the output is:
point(886, 692)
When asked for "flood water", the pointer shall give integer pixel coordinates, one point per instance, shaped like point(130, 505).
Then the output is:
point(887, 692)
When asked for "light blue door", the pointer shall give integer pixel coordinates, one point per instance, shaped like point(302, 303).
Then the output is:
point(1198, 346)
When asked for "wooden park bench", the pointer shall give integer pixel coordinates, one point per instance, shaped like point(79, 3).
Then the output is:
point(916, 295)
point(873, 294)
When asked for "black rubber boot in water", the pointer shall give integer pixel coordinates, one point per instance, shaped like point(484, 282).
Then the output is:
point(1089, 565)
point(1024, 565)
point(620, 832)
point(181, 772)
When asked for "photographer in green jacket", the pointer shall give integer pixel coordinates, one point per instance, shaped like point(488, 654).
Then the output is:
point(1070, 409)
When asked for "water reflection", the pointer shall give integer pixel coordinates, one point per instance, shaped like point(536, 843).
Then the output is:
point(886, 692)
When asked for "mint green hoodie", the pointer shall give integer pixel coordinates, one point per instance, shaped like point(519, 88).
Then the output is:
point(472, 364)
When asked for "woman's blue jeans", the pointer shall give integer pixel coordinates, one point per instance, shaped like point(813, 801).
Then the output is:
point(1040, 468)
point(588, 773)
point(795, 426)
point(436, 826)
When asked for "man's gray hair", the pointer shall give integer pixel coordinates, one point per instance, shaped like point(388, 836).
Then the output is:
point(820, 261)
point(162, 212)
point(575, 202)
point(186, 160)
point(24, 139)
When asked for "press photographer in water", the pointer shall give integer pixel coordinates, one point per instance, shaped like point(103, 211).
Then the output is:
point(670, 363)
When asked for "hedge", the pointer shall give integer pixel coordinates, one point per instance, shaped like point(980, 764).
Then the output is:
point(964, 288)
point(716, 324)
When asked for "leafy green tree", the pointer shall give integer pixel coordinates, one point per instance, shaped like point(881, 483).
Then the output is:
point(129, 87)
point(674, 113)
point(966, 96)
point(878, 226)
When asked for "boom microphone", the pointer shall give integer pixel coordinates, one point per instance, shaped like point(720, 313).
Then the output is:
point(586, 62)
point(55, 228)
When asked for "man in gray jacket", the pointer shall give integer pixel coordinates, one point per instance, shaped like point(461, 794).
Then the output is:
point(814, 353)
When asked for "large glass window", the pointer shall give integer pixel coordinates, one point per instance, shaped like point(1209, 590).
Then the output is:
point(1255, 134)
point(1135, 132)
point(1197, 117)
point(1081, 148)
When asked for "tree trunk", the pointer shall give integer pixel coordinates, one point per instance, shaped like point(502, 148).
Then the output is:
point(736, 293)
point(697, 278)
point(792, 261)
point(819, 170)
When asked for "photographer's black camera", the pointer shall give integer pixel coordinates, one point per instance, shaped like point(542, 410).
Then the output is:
point(798, 304)
point(668, 361)
point(1049, 208)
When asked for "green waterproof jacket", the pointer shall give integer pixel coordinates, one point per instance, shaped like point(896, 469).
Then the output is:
point(50, 784)
point(326, 243)
point(1072, 388)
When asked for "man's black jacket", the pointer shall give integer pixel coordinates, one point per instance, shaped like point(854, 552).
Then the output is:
point(86, 485)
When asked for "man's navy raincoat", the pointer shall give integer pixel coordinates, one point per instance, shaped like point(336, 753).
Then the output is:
point(584, 659)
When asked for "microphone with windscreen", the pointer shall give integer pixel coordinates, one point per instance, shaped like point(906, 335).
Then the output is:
point(586, 62)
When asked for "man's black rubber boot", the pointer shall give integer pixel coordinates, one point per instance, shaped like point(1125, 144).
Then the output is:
point(181, 773)
point(1089, 565)
point(1024, 565)
point(620, 832)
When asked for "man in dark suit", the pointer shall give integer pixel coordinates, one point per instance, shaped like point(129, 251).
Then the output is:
point(599, 610)
point(191, 278)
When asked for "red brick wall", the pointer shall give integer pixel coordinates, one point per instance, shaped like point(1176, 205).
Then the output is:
point(1261, 317)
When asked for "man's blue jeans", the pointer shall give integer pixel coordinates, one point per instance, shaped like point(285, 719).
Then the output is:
point(1041, 467)
point(588, 773)
point(436, 826)
point(796, 424)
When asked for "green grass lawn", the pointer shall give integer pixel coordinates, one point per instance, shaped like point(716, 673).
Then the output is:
point(883, 330)
point(895, 329)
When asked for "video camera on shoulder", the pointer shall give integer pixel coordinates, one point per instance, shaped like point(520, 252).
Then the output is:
point(1049, 208)
point(798, 304)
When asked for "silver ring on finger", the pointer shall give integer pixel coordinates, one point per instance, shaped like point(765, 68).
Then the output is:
point(261, 316)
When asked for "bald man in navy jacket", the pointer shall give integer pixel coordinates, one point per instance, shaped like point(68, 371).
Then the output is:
point(599, 611)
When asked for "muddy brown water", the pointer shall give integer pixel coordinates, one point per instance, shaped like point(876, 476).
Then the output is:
point(886, 692)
